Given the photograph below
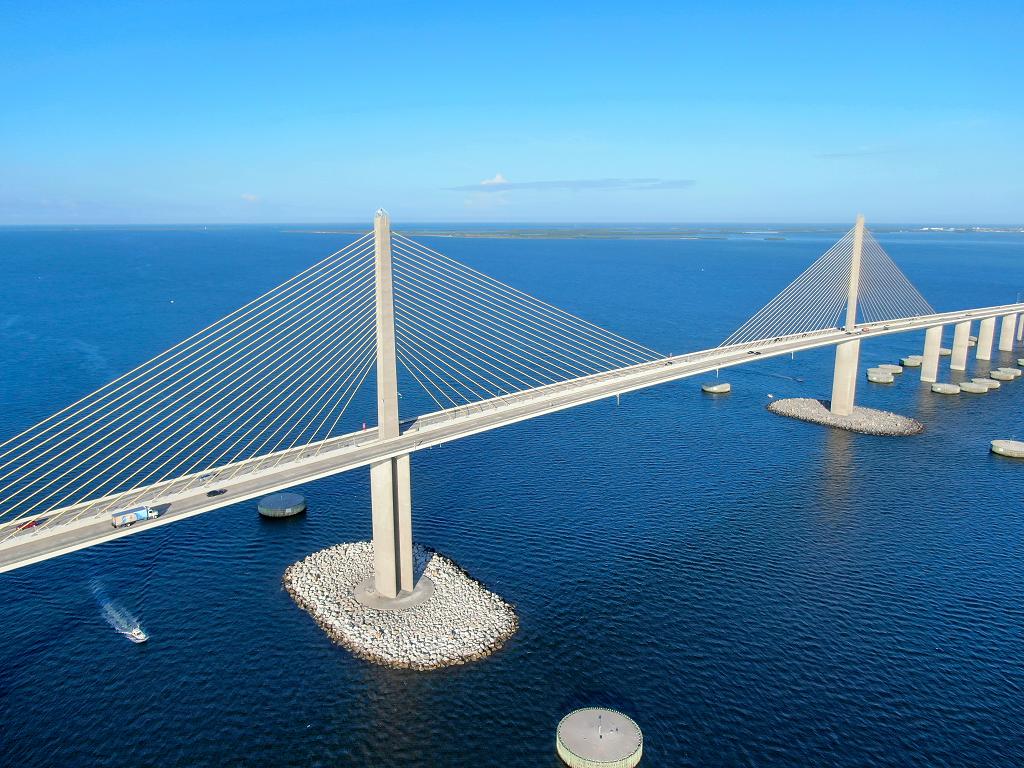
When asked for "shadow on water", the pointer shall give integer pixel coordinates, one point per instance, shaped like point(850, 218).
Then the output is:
point(285, 523)
point(837, 470)
point(927, 403)
point(959, 377)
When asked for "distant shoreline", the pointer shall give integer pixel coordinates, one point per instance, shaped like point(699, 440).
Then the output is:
point(653, 233)
point(758, 231)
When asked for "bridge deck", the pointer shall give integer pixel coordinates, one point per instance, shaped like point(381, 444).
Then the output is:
point(89, 524)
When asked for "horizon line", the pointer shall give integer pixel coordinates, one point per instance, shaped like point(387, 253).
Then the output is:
point(515, 223)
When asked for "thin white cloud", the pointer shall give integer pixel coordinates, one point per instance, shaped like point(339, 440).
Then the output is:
point(500, 184)
point(857, 152)
point(249, 197)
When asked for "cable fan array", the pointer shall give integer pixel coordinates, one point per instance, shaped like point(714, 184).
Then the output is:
point(817, 299)
point(466, 337)
point(884, 292)
point(275, 374)
point(274, 378)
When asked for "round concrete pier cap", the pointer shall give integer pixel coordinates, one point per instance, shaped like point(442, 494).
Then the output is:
point(595, 737)
point(281, 505)
point(717, 387)
point(1020, 361)
point(973, 387)
point(944, 388)
point(911, 361)
point(1000, 375)
point(1013, 372)
point(891, 367)
point(878, 376)
point(990, 383)
point(945, 351)
point(1011, 448)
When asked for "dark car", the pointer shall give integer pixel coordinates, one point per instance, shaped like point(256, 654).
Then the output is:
point(216, 492)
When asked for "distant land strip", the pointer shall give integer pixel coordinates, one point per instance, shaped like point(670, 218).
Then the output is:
point(527, 232)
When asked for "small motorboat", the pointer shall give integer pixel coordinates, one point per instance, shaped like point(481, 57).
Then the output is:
point(137, 635)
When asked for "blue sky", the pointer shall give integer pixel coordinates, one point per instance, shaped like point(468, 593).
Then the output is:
point(574, 112)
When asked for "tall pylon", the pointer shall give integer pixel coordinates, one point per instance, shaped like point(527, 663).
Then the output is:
point(390, 486)
point(844, 380)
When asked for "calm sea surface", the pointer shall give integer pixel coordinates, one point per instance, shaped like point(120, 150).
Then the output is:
point(751, 589)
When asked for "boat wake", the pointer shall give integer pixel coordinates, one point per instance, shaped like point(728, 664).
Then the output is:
point(117, 616)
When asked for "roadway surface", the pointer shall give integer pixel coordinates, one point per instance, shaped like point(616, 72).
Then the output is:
point(88, 524)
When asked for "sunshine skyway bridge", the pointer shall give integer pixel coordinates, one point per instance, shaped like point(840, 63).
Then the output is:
point(255, 402)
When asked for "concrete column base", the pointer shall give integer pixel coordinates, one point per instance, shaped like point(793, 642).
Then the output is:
point(366, 593)
point(844, 379)
point(391, 499)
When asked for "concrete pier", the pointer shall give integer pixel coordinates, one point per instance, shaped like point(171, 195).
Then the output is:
point(986, 332)
point(282, 505)
point(595, 737)
point(880, 376)
point(1007, 331)
point(930, 358)
point(1012, 448)
point(844, 378)
point(961, 343)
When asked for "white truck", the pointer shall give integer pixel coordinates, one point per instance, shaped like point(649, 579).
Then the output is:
point(127, 517)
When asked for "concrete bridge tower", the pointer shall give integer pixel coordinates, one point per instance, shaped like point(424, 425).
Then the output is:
point(390, 487)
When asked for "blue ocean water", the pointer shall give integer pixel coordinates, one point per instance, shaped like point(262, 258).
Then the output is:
point(752, 590)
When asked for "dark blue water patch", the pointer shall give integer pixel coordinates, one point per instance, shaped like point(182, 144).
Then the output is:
point(753, 590)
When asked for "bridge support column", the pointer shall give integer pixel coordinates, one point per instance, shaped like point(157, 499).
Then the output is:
point(390, 487)
point(1006, 333)
point(961, 342)
point(1020, 328)
point(930, 363)
point(391, 499)
point(986, 332)
point(844, 376)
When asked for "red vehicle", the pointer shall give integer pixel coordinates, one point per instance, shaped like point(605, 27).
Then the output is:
point(32, 523)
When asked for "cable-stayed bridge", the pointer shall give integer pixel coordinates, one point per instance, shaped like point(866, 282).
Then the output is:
point(258, 401)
